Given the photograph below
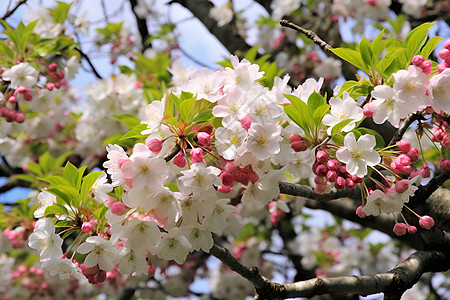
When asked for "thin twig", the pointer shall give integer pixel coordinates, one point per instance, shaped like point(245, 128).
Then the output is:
point(401, 131)
point(11, 11)
point(309, 34)
point(83, 55)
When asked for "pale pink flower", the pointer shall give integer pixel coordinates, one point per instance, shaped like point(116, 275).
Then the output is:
point(343, 109)
point(100, 251)
point(439, 91)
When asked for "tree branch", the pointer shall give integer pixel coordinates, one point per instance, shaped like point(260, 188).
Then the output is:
point(11, 11)
point(307, 192)
point(142, 27)
point(227, 34)
point(309, 34)
point(394, 283)
point(401, 131)
point(84, 55)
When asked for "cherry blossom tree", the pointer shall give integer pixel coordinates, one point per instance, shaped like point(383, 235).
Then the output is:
point(163, 171)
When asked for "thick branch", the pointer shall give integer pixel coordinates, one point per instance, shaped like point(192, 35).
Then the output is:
point(307, 192)
point(393, 283)
point(142, 27)
point(13, 183)
point(227, 34)
point(401, 131)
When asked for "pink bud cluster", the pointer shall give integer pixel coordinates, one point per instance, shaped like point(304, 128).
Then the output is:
point(401, 228)
point(444, 54)
point(231, 174)
point(11, 115)
point(330, 170)
point(402, 163)
point(56, 78)
point(32, 279)
point(17, 236)
point(425, 65)
point(440, 134)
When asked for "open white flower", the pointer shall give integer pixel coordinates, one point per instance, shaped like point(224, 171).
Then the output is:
point(101, 187)
point(46, 240)
point(23, 74)
point(100, 251)
point(45, 199)
point(379, 202)
point(358, 155)
point(343, 109)
point(174, 246)
point(230, 139)
point(141, 235)
point(263, 140)
point(62, 267)
point(439, 90)
point(386, 106)
point(130, 261)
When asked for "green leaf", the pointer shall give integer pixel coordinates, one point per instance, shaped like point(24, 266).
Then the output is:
point(70, 173)
point(416, 39)
point(319, 113)
point(64, 223)
point(298, 112)
point(66, 193)
point(339, 126)
point(129, 120)
point(46, 162)
point(135, 132)
point(202, 117)
point(56, 209)
point(61, 12)
point(100, 212)
point(69, 232)
point(251, 54)
point(56, 180)
point(366, 52)
point(185, 108)
point(351, 56)
point(314, 101)
point(5, 49)
point(390, 62)
point(88, 181)
point(429, 46)
point(376, 47)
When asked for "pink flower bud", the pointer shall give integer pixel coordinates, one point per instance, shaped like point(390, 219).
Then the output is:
point(298, 146)
point(321, 156)
point(349, 183)
point(340, 183)
point(319, 180)
point(413, 154)
point(372, 3)
point(28, 96)
point(360, 213)
point(366, 110)
point(403, 145)
point(405, 170)
point(401, 185)
point(224, 189)
point(253, 177)
point(445, 141)
point(196, 155)
point(50, 86)
point(426, 67)
point(295, 137)
point(19, 117)
point(443, 53)
point(20, 90)
point(179, 160)
point(118, 208)
point(417, 60)
point(154, 145)
point(342, 171)
point(246, 122)
point(87, 227)
point(12, 99)
point(230, 168)
point(426, 222)
point(52, 67)
point(320, 188)
point(333, 165)
point(138, 84)
point(204, 138)
point(321, 170)
point(403, 160)
point(331, 176)
point(425, 172)
point(57, 84)
point(442, 67)
point(400, 229)
point(447, 44)
point(412, 229)
point(444, 164)
point(357, 179)
point(242, 177)
point(227, 179)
